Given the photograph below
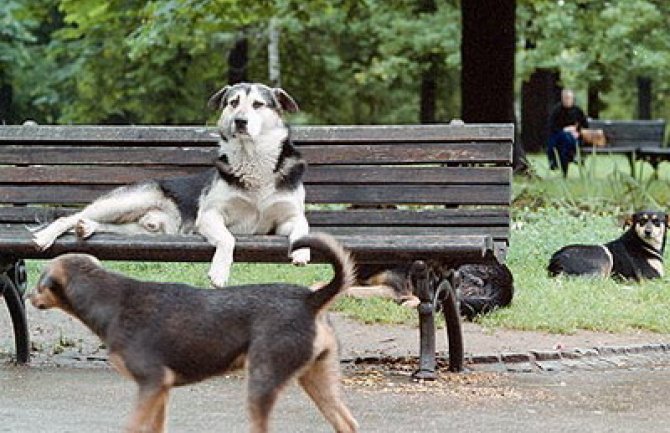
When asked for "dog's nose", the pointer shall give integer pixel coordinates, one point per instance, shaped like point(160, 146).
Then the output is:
point(240, 123)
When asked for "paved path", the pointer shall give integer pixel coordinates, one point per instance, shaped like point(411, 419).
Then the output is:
point(84, 400)
point(518, 382)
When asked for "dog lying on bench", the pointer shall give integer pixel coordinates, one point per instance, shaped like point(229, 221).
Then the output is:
point(480, 288)
point(163, 335)
point(636, 255)
point(254, 187)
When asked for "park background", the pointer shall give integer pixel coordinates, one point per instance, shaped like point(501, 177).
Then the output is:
point(381, 62)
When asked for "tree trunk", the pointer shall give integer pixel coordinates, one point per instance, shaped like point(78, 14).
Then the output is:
point(5, 103)
point(643, 98)
point(237, 61)
point(487, 58)
point(429, 75)
point(538, 96)
point(593, 102)
point(429, 90)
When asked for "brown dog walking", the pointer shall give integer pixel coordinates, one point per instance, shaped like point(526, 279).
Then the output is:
point(163, 335)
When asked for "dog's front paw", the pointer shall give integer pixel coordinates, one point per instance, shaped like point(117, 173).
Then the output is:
point(219, 276)
point(300, 257)
point(43, 239)
point(85, 228)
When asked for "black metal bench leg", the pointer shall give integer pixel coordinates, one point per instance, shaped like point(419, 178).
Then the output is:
point(12, 285)
point(426, 293)
point(452, 317)
point(631, 160)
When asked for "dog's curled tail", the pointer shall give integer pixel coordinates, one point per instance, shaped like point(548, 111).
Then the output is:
point(343, 267)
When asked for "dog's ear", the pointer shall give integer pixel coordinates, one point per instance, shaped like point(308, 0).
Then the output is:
point(628, 221)
point(285, 101)
point(219, 99)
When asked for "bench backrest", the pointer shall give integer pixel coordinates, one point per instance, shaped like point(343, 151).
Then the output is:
point(421, 179)
point(631, 133)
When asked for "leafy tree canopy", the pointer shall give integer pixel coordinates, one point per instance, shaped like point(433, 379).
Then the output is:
point(346, 61)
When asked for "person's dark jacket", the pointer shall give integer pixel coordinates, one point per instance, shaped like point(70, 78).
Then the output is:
point(563, 116)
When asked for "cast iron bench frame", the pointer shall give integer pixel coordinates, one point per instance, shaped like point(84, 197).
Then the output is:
point(448, 187)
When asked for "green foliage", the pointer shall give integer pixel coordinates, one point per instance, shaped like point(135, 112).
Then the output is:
point(345, 61)
point(603, 43)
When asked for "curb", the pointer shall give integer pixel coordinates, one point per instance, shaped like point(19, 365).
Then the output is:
point(596, 358)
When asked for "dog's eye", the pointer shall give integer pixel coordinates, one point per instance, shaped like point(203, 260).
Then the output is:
point(258, 104)
point(234, 103)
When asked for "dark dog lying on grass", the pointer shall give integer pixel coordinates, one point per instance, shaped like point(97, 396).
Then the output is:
point(636, 255)
point(480, 288)
point(163, 335)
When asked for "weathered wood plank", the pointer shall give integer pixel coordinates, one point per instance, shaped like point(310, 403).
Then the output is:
point(315, 174)
point(411, 194)
point(410, 153)
point(200, 134)
point(360, 194)
point(16, 241)
point(94, 155)
point(500, 232)
point(413, 218)
point(373, 154)
point(110, 134)
point(319, 218)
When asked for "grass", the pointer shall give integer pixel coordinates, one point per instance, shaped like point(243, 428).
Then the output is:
point(566, 304)
point(548, 213)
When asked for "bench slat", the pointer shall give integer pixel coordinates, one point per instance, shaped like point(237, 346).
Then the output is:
point(410, 194)
point(324, 194)
point(373, 154)
point(315, 174)
point(200, 134)
point(16, 241)
point(500, 232)
point(621, 133)
point(349, 217)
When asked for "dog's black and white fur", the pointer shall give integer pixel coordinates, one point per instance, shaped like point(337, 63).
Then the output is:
point(255, 186)
point(636, 255)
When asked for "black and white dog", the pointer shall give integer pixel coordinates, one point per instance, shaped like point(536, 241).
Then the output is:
point(637, 254)
point(255, 186)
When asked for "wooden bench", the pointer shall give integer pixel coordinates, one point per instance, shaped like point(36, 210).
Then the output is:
point(449, 187)
point(635, 139)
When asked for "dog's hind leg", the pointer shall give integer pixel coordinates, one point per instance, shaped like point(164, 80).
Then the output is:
point(322, 383)
point(153, 221)
point(123, 205)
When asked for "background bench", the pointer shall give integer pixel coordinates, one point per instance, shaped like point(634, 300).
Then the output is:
point(449, 188)
point(636, 139)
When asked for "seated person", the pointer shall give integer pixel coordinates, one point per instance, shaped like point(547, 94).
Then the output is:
point(565, 123)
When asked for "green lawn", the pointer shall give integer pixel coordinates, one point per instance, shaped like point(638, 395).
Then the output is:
point(549, 212)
